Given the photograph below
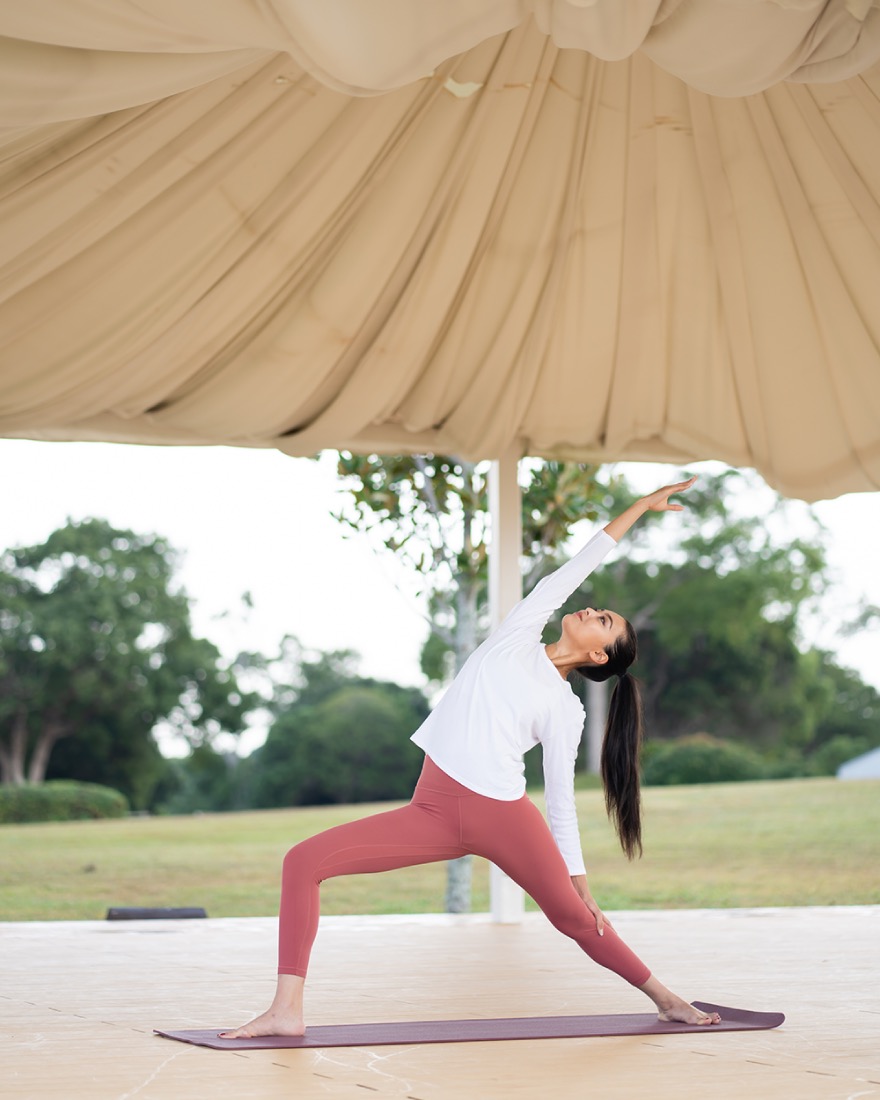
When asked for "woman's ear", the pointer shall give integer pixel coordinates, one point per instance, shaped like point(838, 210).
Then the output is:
point(598, 657)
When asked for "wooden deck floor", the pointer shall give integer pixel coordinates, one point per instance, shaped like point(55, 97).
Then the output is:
point(79, 1002)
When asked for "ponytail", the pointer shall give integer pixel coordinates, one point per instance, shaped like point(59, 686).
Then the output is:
point(621, 748)
point(622, 743)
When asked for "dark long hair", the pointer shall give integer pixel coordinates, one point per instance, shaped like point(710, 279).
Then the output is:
point(622, 743)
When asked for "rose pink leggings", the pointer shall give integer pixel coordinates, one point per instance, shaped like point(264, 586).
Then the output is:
point(444, 821)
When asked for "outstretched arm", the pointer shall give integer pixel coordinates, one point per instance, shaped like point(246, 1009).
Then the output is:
point(657, 501)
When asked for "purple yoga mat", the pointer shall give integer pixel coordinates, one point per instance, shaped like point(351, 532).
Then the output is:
point(477, 1031)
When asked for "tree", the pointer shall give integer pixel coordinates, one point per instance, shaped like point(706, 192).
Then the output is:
point(205, 781)
point(848, 717)
point(341, 738)
point(717, 604)
point(106, 753)
point(431, 511)
point(96, 649)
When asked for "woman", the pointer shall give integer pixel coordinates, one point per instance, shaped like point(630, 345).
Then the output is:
point(470, 798)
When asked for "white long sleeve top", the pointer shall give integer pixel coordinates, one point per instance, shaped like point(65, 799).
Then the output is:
point(507, 698)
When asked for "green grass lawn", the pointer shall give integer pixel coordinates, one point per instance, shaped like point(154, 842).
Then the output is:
point(797, 842)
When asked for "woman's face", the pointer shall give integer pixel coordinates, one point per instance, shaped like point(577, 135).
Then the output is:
point(591, 631)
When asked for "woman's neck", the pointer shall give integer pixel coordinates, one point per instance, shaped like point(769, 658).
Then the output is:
point(563, 662)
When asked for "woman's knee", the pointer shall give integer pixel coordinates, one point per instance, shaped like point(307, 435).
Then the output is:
point(301, 861)
point(572, 920)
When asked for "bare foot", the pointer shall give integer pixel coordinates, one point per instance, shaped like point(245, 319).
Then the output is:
point(272, 1022)
point(679, 1011)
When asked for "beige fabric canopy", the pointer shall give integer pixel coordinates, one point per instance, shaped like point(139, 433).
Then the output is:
point(600, 230)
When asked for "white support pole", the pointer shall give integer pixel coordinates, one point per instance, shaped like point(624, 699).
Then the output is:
point(505, 590)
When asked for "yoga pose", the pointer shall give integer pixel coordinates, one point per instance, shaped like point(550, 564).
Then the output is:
point(470, 797)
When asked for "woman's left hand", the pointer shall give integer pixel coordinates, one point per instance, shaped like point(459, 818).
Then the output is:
point(658, 501)
point(580, 884)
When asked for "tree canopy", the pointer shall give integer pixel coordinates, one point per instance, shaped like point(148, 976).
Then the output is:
point(431, 511)
point(717, 605)
point(96, 649)
point(340, 738)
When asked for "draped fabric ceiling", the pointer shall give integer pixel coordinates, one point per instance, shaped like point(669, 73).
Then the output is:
point(594, 229)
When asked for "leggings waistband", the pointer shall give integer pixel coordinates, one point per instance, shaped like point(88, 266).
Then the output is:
point(433, 778)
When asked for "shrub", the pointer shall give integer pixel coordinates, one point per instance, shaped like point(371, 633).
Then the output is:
point(701, 758)
point(60, 800)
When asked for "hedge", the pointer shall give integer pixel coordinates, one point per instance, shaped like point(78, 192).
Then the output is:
point(701, 758)
point(60, 800)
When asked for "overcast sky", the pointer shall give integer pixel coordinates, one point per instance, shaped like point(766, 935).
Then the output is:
point(257, 521)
